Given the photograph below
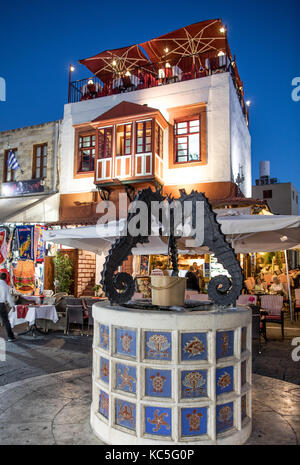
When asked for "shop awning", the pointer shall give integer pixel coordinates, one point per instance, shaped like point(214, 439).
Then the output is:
point(14, 209)
point(247, 233)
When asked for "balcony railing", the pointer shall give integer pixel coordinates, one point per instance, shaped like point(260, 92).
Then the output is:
point(156, 75)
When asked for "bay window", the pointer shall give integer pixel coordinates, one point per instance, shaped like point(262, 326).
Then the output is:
point(124, 139)
point(105, 142)
point(159, 140)
point(144, 136)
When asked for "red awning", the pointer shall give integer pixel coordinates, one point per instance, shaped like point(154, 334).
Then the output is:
point(188, 45)
point(115, 63)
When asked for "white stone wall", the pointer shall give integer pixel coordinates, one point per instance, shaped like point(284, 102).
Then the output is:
point(240, 143)
point(228, 138)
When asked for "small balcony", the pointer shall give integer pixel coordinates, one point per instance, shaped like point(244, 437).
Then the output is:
point(158, 74)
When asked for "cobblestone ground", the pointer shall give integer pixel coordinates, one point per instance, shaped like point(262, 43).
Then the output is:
point(45, 354)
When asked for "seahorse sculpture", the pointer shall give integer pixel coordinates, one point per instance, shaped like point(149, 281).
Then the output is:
point(119, 287)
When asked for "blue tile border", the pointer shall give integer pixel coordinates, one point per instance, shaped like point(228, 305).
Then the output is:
point(104, 369)
point(126, 378)
point(104, 404)
point(158, 345)
point(193, 384)
point(125, 414)
point(158, 383)
point(193, 421)
point(104, 337)
point(224, 417)
point(193, 346)
point(158, 421)
point(224, 380)
point(126, 342)
point(225, 344)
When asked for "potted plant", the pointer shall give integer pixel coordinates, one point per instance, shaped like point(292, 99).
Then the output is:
point(63, 272)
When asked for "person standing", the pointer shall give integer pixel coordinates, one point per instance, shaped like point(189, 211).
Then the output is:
point(5, 297)
point(192, 283)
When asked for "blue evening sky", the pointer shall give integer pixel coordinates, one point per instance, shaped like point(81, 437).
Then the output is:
point(40, 38)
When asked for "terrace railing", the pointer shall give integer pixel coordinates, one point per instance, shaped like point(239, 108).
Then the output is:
point(156, 75)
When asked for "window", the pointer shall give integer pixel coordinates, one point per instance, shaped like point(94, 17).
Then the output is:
point(9, 175)
point(187, 141)
point(267, 194)
point(105, 142)
point(39, 165)
point(86, 153)
point(159, 140)
point(144, 137)
point(124, 139)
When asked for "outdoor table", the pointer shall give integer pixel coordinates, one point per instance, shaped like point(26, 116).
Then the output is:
point(46, 312)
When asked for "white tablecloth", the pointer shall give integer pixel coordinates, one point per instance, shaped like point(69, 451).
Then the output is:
point(47, 312)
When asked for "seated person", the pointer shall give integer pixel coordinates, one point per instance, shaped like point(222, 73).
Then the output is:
point(277, 287)
point(259, 286)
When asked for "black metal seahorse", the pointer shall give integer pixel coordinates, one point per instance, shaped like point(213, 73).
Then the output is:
point(221, 289)
point(119, 287)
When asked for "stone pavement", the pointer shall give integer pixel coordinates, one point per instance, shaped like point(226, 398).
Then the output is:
point(54, 409)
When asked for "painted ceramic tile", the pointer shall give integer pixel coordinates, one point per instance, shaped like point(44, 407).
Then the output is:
point(126, 378)
point(243, 372)
point(126, 342)
point(193, 383)
point(244, 339)
point(104, 404)
point(193, 421)
point(224, 417)
point(244, 407)
point(158, 421)
point(224, 380)
point(104, 369)
point(158, 345)
point(125, 414)
point(193, 346)
point(225, 344)
point(158, 383)
point(104, 337)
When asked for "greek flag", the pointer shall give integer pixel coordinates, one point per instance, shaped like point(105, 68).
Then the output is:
point(12, 161)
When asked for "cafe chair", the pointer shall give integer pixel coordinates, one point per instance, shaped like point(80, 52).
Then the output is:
point(246, 299)
point(74, 316)
point(90, 318)
point(256, 327)
point(297, 303)
point(273, 305)
point(194, 295)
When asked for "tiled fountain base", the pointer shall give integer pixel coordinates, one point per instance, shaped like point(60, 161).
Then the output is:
point(171, 378)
